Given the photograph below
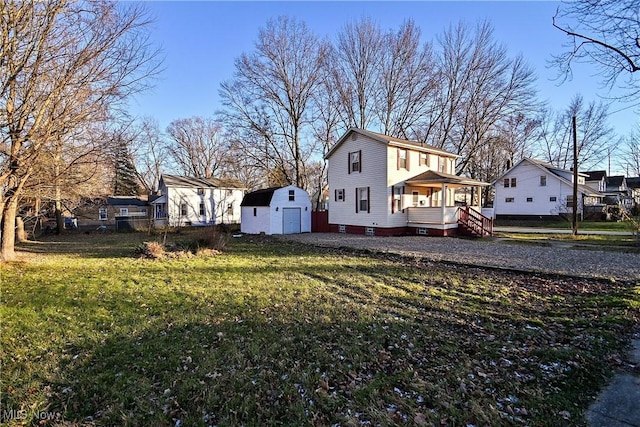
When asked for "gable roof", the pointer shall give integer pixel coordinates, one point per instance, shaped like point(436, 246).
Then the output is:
point(188, 181)
point(633, 182)
point(548, 167)
point(259, 197)
point(127, 201)
point(390, 140)
point(595, 175)
point(615, 181)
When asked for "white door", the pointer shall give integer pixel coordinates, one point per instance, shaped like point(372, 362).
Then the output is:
point(291, 220)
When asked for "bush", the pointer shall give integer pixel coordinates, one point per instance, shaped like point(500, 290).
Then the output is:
point(152, 250)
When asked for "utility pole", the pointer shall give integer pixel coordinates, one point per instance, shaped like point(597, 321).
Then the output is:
point(574, 224)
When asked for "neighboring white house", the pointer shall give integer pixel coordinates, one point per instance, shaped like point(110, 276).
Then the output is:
point(276, 210)
point(535, 189)
point(185, 201)
point(383, 185)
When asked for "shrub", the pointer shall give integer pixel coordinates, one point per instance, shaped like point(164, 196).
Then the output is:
point(152, 250)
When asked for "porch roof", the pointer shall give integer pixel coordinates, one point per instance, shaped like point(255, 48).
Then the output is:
point(433, 178)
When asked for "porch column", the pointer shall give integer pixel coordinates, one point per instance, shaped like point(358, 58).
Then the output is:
point(479, 191)
point(444, 203)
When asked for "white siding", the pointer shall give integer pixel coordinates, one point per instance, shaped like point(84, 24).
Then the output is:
point(528, 186)
point(223, 198)
point(215, 203)
point(261, 223)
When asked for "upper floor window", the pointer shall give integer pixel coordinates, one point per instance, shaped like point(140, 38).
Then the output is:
point(102, 214)
point(202, 209)
point(183, 209)
point(124, 211)
point(292, 195)
point(230, 209)
point(200, 191)
point(543, 180)
point(506, 183)
point(355, 161)
point(402, 159)
point(424, 159)
point(513, 182)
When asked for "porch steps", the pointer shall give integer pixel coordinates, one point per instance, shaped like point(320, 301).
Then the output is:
point(473, 223)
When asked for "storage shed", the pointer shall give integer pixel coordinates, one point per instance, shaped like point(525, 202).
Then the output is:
point(276, 210)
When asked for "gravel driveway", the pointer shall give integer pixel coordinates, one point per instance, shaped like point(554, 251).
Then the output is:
point(561, 258)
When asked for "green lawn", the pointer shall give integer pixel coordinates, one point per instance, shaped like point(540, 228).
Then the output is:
point(278, 333)
point(598, 242)
point(566, 225)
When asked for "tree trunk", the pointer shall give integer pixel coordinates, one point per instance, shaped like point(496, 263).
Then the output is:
point(7, 245)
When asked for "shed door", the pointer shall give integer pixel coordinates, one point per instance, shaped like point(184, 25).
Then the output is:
point(291, 220)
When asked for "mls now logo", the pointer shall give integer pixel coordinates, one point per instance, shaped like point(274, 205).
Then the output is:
point(23, 414)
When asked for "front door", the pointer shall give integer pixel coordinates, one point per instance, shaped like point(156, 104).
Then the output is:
point(291, 223)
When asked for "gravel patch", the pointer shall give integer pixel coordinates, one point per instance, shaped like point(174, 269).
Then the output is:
point(491, 253)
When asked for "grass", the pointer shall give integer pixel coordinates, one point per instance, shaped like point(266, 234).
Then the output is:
point(600, 242)
point(566, 225)
point(272, 332)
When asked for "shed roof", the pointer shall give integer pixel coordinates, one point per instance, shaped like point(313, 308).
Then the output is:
point(595, 175)
point(127, 201)
point(189, 181)
point(259, 197)
point(433, 177)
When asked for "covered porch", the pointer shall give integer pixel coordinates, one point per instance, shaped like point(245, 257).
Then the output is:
point(431, 204)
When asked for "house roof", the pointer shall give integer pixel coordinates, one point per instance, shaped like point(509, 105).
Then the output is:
point(259, 197)
point(595, 175)
point(633, 182)
point(127, 201)
point(615, 181)
point(433, 177)
point(390, 140)
point(188, 181)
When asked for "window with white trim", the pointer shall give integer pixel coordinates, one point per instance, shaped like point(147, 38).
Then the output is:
point(354, 162)
point(124, 211)
point(102, 214)
point(543, 180)
point(402, 159)
point(292, 195)
point(506, 182)
point(339, 195)
point(183, 209)
point(363, 199)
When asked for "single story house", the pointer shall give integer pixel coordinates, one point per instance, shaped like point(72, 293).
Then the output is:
point(276, 210)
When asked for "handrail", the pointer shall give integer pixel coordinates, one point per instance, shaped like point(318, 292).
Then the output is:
point(478, 223)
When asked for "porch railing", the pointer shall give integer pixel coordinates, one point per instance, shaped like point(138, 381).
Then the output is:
point(475, 222)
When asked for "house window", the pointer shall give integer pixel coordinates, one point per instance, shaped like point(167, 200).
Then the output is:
point(292, 195)
point(339, 195)
point(362, 195)
point(570, 201)
point(414, 198)
point(424, 159)
point(506, 183)
point(543, 180)
point(102, 214)
point(201, 191)
point(402, 159)
point(255, 211)
point(354, 161)
point(229, 192)
point(183, 209)
point(509, 200)
point(443, 165)
point(230, 209)
point(202, 209)
point(397, 198)
point(529, 199)
point(124, 211)
point(513, 182)
point(553, 199)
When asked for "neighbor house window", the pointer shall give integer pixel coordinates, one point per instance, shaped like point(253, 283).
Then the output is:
point(183, 209)
point(553, 199)
point(124, 211)
point(443, 165)
point(354, 161)
point(292, 195)
point(201, 191)
point(529, 199)
point(570, 201)
point(506, 183)
point(362, 199)
point(102, 214)
point(339, 195)
point(509, 200)
point(202, 209)
point(424, 159)
point(402, 159)
point(543, 180)
point(513, 182)
point(230, 209)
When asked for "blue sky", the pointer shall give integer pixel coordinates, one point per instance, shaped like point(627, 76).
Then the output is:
point(201, 40)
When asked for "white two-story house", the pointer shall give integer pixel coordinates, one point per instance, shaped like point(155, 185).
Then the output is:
point(380, 185)
point(533, 189)
point(185, 201)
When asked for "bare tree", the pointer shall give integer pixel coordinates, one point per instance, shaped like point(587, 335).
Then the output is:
point(197, 146)
point(356, 63)
point(62, 64)
point(594, 134)
point(631, 152)
point(606, 34)
point(268, 100)
point(150, 153)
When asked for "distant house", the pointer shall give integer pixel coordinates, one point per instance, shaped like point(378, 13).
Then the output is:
point(394, 186)
point(533, 189)
point(618, 192)
point(276, 210)
point(633, 184)
point(189, 201)
point(596, 180)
